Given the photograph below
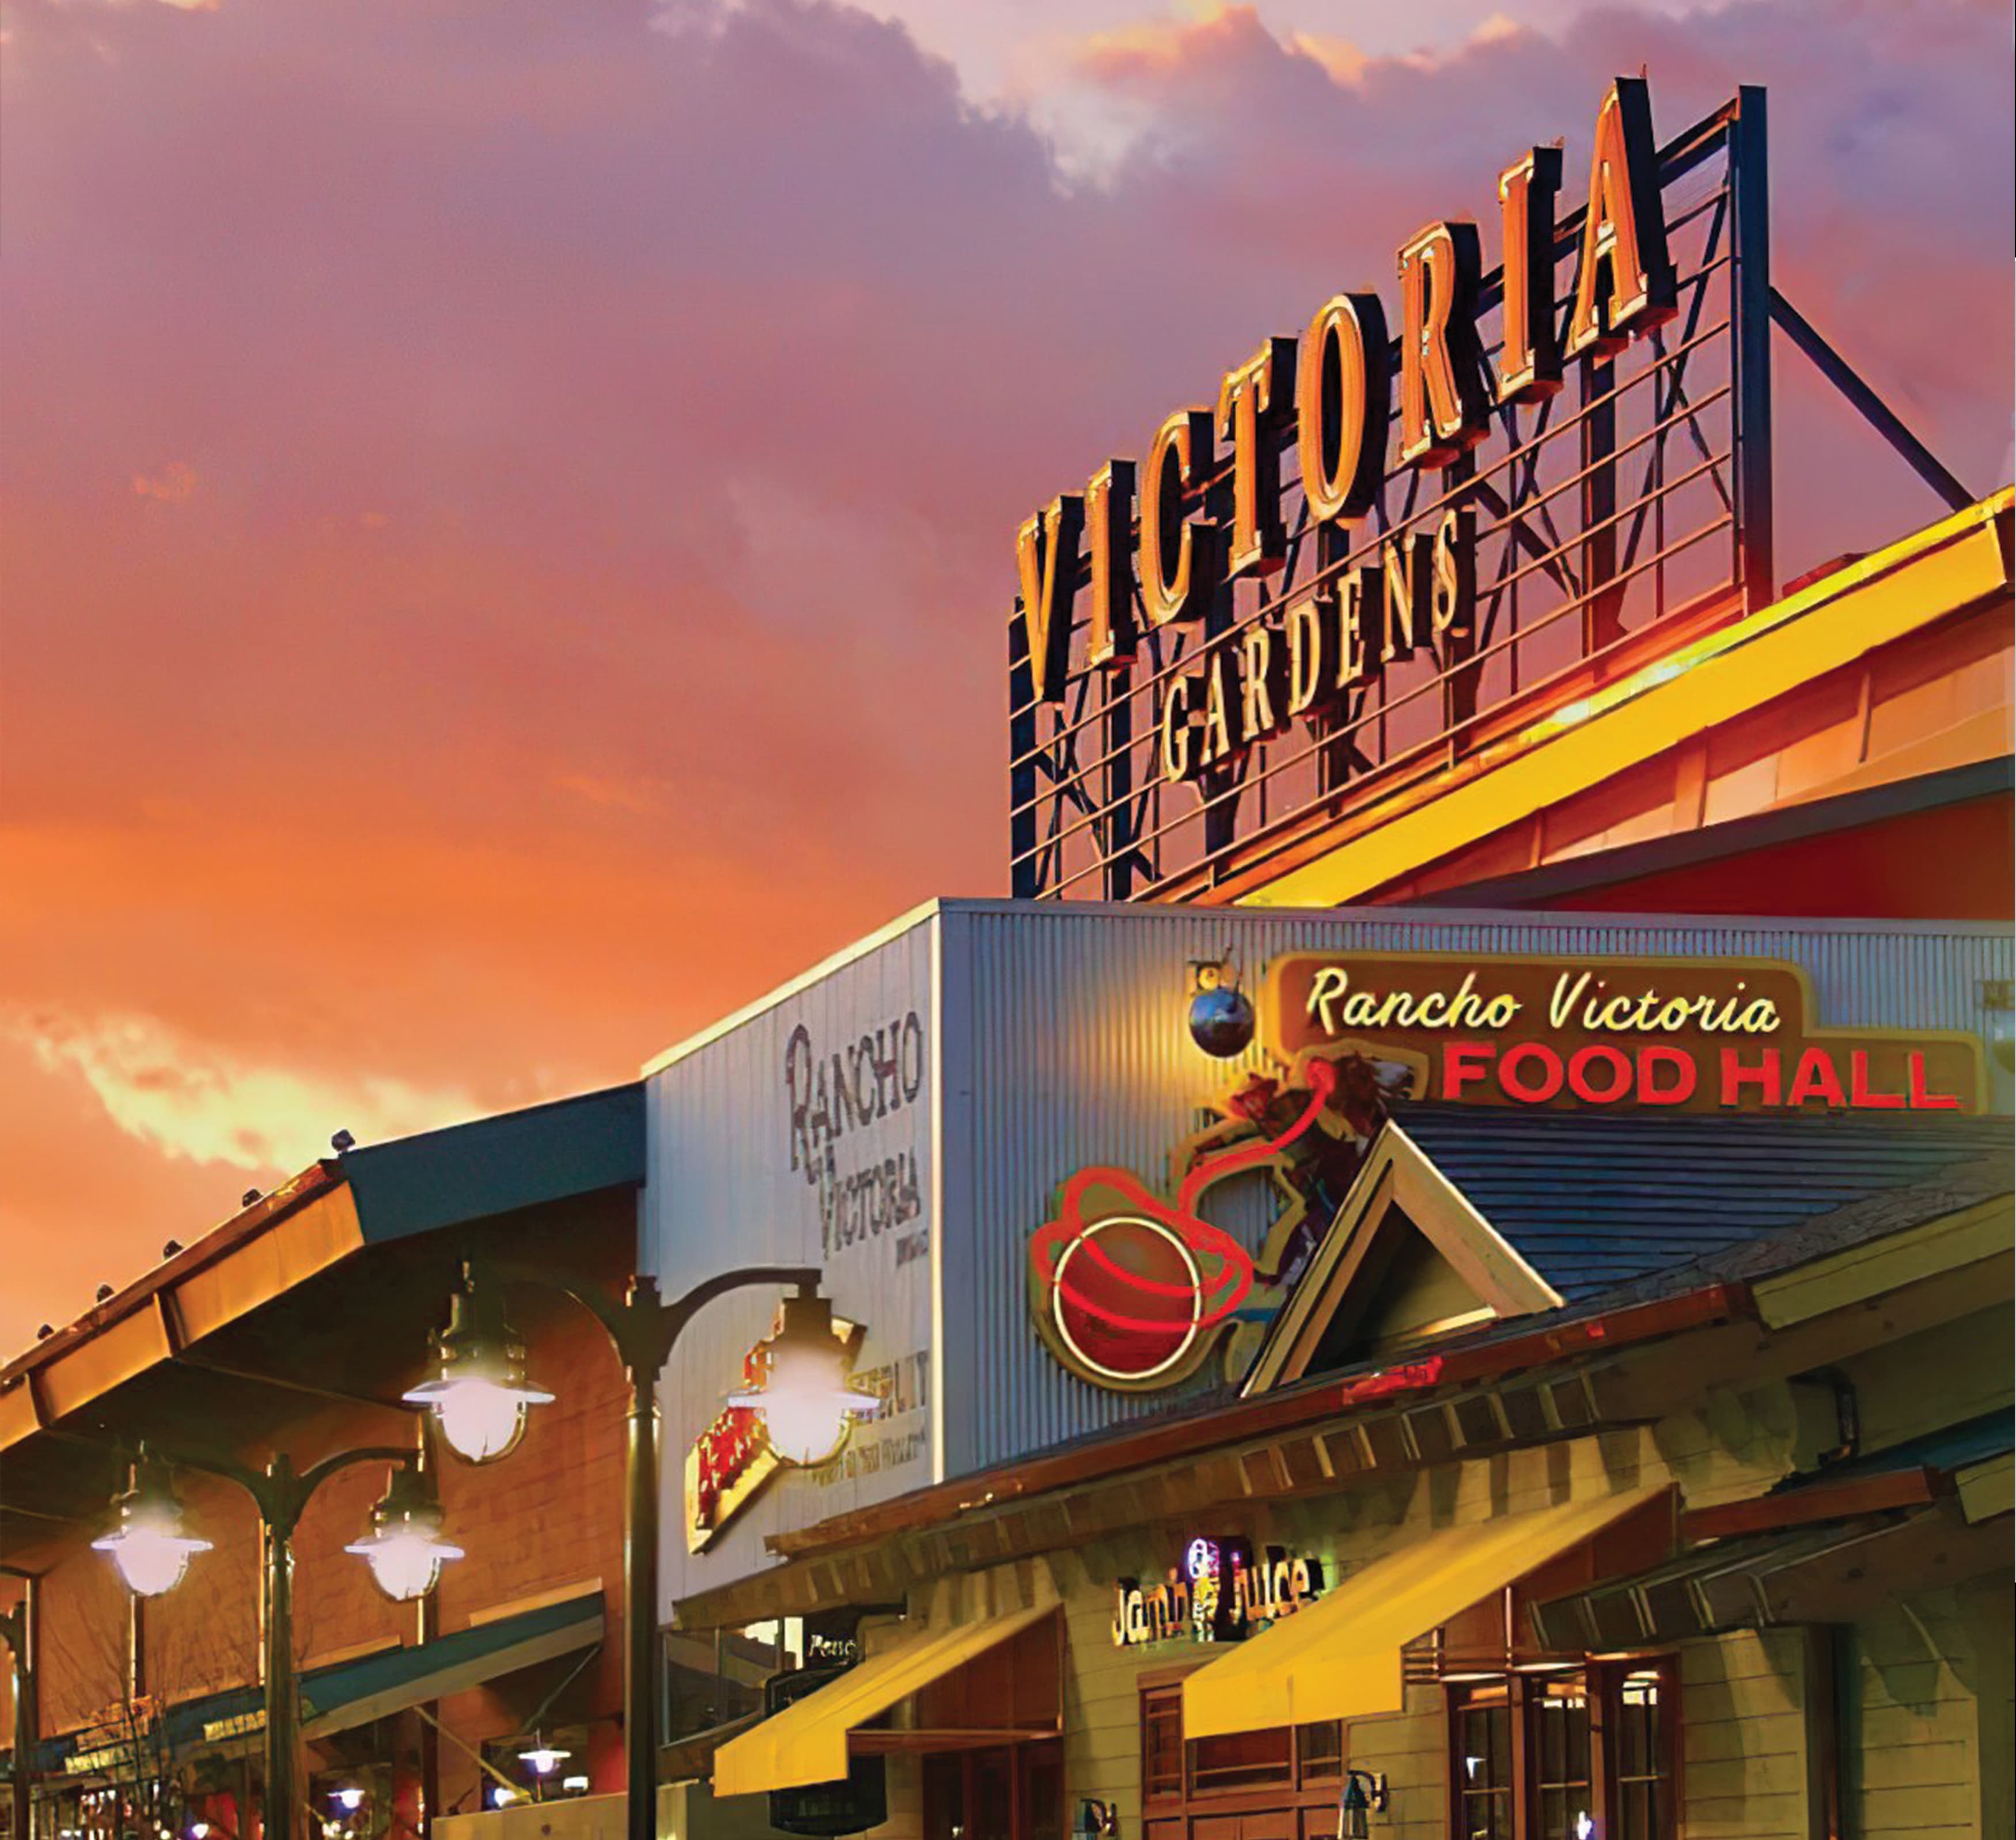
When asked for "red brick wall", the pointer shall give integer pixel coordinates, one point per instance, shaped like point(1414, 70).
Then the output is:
point(83, 1639)
point(203, 1635)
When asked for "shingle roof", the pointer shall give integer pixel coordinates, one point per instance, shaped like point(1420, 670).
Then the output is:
point(1594, 1201)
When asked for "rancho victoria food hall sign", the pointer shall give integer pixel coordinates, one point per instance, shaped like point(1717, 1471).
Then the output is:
point(1135, 1280)
point(1714, 1035)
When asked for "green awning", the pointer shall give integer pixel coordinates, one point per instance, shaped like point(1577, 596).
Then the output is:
point(348, 1694)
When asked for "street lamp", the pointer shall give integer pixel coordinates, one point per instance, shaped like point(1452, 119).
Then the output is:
point(149, 1545)
point(479, 1392)
point(544, 1758)
point(404, 1547)
point(151, 1548)
point(20, 1625)
point(805, 1400)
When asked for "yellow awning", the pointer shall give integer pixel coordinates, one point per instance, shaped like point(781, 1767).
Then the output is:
point(807, 1741)
point(1339, 1659)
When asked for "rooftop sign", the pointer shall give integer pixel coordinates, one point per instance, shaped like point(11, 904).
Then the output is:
point(1375, 540)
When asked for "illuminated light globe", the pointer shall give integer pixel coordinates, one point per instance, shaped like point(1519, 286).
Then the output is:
point(1148, 1276)
point(150, 1546)
point(481, 1419)
point(479, 1394)
point(804, 1401)
point(544, 1759)
point(404, 1547)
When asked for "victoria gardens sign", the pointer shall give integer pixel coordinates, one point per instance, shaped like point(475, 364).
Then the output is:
point(1386, 525)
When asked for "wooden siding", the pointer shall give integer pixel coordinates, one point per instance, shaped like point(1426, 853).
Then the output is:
point(1922, 1755)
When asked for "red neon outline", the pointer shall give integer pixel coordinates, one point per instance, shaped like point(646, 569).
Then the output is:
point(1227, 1287)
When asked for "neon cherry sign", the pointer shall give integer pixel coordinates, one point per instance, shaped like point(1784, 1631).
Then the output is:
point(1127, 1285)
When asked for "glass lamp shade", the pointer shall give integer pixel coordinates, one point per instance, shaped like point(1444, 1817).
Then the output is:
point(804, 1401)
point(404, 1547)
point(482, 1418)
point(544, 1759)
point(479, 1392)
point(150, 1546)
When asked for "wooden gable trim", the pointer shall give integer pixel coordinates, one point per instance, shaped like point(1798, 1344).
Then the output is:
point(1398, 1173)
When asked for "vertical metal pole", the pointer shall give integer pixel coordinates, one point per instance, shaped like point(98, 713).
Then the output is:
point(278, 1513)
point(1116, 835)
point(640, 1604)
point(1602, 606)
point(1749, 350)
point(27, 1721)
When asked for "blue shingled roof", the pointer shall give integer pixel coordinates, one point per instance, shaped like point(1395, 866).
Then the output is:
point(1592, 1199)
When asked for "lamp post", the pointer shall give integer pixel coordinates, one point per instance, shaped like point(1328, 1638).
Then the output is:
point(17, 1630)
point(151, 1548)
point(480, 1392)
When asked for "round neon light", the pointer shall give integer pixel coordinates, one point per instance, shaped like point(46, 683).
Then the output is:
point(1144, 1260)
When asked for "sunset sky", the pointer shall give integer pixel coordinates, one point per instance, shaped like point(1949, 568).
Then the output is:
point(508, 504)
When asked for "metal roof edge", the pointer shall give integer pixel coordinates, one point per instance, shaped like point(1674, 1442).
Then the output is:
point(283, 1199)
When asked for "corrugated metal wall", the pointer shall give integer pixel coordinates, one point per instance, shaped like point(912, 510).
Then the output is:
point(730, 1183)
point(1065, 1045)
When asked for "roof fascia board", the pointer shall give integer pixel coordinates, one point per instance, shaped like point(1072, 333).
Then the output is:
point(1795, 822)
point(249, 1273)
point(1989, 1489)
point(1934, 572)
point(1877, 1266)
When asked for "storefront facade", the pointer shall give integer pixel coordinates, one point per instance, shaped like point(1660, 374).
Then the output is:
point(1415, 1281)
point(1702, 1552)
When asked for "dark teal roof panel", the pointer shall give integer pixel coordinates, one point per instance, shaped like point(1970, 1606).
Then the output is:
point(494, 1165)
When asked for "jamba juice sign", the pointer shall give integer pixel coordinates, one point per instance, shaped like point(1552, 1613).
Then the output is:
point(1720, 1036)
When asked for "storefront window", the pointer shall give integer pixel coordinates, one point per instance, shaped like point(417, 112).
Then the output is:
point(1243, 1759)
point(1594, 1747)
point(1162, 1745)
point(1643, 1799)
point(1007, 1792)
point(1287, 1767)
point(1482, 1762)
point(1320, 1751)
point(1559, 1726)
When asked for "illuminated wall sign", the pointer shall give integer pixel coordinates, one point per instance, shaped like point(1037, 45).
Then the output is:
point(730, 1463)
point(1131, 1290)
point(1385, 526)
point(1219, 1594)
point(1660, 1033)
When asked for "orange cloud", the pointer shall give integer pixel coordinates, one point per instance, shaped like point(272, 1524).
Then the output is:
point(174, 484)
point(195, 1102)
